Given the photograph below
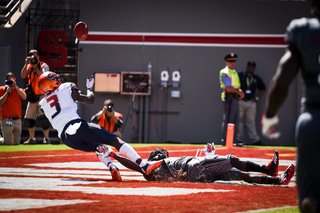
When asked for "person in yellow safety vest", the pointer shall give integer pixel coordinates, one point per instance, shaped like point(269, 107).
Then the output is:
point(109, 119)
point(230, 83)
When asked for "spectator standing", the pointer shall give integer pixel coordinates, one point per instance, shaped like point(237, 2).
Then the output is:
point(31, 71)
point(230, 84)
point(11, 110)
point(109, 119)
point(250, 82)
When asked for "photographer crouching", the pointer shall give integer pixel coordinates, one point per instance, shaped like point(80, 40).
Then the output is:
point(109, 119)
point(31, 72)
point(11, 110)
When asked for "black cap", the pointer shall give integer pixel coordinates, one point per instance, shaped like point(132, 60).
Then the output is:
point(230, 57)
point(251, 63)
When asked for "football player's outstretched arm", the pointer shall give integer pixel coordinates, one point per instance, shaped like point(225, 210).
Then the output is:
point(288, 68)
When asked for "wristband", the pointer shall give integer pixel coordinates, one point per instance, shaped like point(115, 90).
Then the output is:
point(257, 98)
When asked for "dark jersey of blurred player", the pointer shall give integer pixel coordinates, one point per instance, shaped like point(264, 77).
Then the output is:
point(304, 34)
point(303, 53)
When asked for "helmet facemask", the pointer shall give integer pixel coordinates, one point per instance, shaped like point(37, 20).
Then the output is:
point(158, 154)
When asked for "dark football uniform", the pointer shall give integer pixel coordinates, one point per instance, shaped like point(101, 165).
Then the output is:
point(304, 34)
point(195, 169)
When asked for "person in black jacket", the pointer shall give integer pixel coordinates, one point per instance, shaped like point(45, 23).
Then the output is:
point(250, 83)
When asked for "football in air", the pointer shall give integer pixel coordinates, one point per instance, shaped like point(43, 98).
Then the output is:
point(81, 31)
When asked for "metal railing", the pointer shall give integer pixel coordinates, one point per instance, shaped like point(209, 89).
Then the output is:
point(9, 10)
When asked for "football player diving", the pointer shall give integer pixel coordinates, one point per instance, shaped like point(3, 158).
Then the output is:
point(60, 107)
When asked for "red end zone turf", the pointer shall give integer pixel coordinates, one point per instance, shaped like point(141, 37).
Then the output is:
point(74, 181)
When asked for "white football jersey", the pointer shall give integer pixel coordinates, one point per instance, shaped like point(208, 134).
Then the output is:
point(59, 106)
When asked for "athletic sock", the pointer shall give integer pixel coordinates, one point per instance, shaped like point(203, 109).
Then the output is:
point(128, 151)
point(253, 167)
point(108, 162)
point(142, 164)
point(270, 180)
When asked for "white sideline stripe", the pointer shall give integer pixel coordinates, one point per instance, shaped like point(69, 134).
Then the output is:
point(18, 171)
point(61, 155)
point(79, 165)
point(100, 165)
point(102, 175)
point(266, 161)
point(56, 184)
point(11, 204)
point(139, 152)
point(65, 174)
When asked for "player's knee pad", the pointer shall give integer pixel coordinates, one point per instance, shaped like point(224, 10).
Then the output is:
point(44, 122)
point(30, 122)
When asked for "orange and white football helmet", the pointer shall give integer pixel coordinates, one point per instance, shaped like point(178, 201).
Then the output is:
point(49, 81)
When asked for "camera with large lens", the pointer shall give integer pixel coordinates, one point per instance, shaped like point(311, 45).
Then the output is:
point(109, 108)
point(33, 60)
point(8, 82)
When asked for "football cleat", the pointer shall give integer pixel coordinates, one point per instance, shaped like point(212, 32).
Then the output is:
point(151, 166)
point(30, 141)
point(238, 144)
point(287, 175)
point(46, 140)
point(105, 150)
point(210, 149)
point(115, 173)
point(273, 165)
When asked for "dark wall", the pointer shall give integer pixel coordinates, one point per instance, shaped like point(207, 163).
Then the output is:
point(197, 115)
point(15, 38)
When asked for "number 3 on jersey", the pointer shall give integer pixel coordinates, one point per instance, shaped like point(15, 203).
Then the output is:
point(54, 102)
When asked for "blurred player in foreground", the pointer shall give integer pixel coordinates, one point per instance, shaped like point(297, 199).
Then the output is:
point(303, 51)
point(60, 107)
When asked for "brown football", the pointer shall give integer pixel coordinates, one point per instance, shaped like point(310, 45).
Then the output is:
point(81, 31)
